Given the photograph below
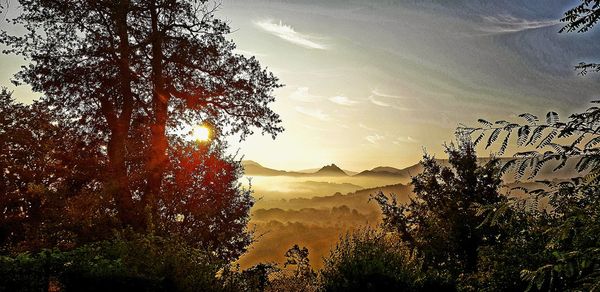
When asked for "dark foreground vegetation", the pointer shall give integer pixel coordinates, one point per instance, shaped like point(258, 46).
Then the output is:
point(96, 194)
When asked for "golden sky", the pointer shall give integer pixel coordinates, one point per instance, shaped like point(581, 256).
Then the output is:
point(370, 83)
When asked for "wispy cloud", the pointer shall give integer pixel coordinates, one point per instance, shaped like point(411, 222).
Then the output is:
point(378, 102)
point(405, 139)
point(379, 93)
point(302, 94)
point(377, 96)
point(343, 100)
point(315, 113)
point(289, 34)
point(508, 24)
point(374, 138)
point(363, 126)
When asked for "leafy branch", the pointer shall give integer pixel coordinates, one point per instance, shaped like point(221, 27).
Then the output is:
point(581, 131)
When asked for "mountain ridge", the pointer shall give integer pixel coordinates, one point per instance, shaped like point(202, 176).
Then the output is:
point(253, 168)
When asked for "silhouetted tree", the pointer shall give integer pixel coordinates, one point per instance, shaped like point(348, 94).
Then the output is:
point(52, 194)
point(50, 183)
point(582, 18)
point(298, 257)
point(157, 64)
point(571, 229)
point(301, 276)
point(441, 224)
point(203, 201)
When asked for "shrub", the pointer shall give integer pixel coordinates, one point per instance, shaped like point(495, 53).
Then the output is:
point(134, 262)
point(371, 260)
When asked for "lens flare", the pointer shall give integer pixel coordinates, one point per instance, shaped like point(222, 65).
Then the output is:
point(201, 133)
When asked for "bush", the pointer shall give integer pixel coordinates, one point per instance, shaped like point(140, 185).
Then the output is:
point(138, 262)
point(371, 260)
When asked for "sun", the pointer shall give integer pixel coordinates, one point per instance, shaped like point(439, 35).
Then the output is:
point(201, 133)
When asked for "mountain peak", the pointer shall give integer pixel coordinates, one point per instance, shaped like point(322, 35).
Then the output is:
point(331, 169)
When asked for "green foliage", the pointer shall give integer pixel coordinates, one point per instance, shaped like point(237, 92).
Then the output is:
point(566, 241)
point(296, 275)
point(441, 224)
point(372, 260)
point(573, 240)
point(520, 246)
point(582, 18)
point(578, 137)
point(133, 262)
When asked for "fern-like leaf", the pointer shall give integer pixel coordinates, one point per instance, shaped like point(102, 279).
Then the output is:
point(476, 142)
point(531, 119)
point(485, 123)
point(521, 169)
point(547, 139)
point(504, 144)
point(592, 142)
point(583, 163)
point(493, 137)
point(537, 167)
point(552, 118)
point(537, 134)
point(522, 135)
point(507, 166)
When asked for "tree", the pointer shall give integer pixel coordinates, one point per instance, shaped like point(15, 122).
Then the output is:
point(203, 202)
point(441, 224)
point(49, 190)
point(301, 278)
point(582, 18)
point(157, 64)
point(52, 194)
point(572, 227)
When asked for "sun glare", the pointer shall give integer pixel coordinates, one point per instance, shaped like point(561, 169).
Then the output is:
point(201, 133)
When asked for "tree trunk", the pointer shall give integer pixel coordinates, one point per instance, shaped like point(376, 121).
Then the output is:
point(158, 159)
point(121, 123)
point(118, 183)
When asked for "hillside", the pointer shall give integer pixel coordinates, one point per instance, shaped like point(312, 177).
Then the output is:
point(330, 170)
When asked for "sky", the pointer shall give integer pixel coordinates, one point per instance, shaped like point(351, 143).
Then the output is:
point(371, 83)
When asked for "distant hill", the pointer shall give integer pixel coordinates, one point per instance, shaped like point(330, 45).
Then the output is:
point(404, 175)
point(383, 171)
point(254, 168)
point(391, 172)
point(313, 170)
point(330, 170)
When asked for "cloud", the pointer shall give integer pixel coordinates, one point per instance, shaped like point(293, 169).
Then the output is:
point(374, 138)
point(379, 93)
point(302, 94)
point(343, 100)
point(363, 126)
point(378, 102)
point(385, 104)
point(508, 24)
point(315, 113)
point(405, 139)
point(289, 34)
